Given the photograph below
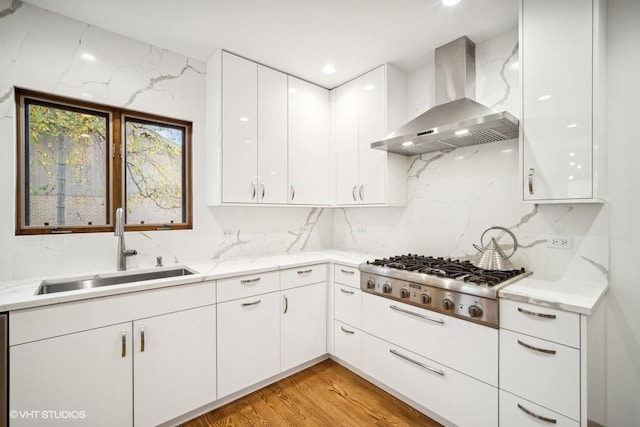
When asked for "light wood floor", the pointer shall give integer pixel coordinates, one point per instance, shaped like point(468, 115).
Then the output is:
point(325, 395)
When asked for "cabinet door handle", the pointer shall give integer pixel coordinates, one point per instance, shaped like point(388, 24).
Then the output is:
point(347, 271)
point(141, 339)
point(123, 336)
point(533, 313)
point(422, 316)
point(353, 193)
point(286, 304)
point(347, 292)
point(247, 304)
point(534, 415)
point(293, 192)
point(361, 192)
point(541, 350)
point(346, 331)
point(415, 362)
point(262, 192)
point(305, 271)
point(245, 281)
point(531, 181)
point(253, 190)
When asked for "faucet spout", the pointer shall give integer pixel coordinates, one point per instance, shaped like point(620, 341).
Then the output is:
point(123, 252)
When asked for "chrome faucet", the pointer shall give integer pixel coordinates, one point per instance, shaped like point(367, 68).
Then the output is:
point(123, 252)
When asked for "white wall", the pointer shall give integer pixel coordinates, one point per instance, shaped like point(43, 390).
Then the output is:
point(41, 50)
point(455, 196)
point(623, 310)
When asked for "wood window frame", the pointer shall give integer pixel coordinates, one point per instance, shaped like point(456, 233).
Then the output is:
point(115, 196)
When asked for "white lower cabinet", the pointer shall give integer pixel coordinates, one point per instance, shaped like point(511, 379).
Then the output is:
point(459, 398)
point(348, 344)
point(84, 378)
point(174, 364)
point(518, 412)
point(248, 341)
point(303, 325)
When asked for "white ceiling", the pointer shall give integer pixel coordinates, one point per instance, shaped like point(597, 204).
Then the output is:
point(299, 36)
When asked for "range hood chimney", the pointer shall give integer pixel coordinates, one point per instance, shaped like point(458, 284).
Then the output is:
point(456, 120)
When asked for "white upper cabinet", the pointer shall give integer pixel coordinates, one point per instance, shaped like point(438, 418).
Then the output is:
point(272, 136)
point(239, 129)
point(308, 143)
point(366, 109)
point(561, 83)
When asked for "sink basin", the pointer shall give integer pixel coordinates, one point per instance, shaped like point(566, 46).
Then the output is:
point(89, 282)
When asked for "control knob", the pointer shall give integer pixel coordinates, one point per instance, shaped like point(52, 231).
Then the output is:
point(425, 298)
point(386, 288)
point(475, 311)
point(371, 284)
point(404, 293)
point(447, 304)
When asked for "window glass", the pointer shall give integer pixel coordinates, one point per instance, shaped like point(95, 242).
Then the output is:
point(66, 171)
point(154, 172)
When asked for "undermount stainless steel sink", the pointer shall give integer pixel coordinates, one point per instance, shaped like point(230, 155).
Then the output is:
point(96, 281)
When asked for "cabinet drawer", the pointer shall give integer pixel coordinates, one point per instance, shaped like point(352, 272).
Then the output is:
point(348, 344)
point(248, 285)
point(300, 276)
point(440, 389)
point(543, 322)
point(515, 411)
point(348, 306)
point(349, 276)
point(59, 319)
point(541, 371)
point(465, 346)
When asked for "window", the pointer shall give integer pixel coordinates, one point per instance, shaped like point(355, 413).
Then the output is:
point(79, 161)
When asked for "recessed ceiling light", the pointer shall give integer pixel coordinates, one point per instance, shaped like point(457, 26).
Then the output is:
point(544, 97)
point(515, 65)
point(450, 2)
point(572, 154)
point(407, 143)
point(571, 177)
point(369, 87)
point(507, 150)
point(572, 125)
point(572, 163)
point(329, 69)
point(293, 90)
point(458, 158)
point(88, 57)
point(461, 132)
point(579, 167)
point(244, 119)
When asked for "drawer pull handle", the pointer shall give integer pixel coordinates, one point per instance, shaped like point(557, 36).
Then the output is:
point(415, 362)
point(347, 271)
point(353, 193)
point(305, 271)
point(346, 331)
point(531, 181)
point(286, 304)
point(123, 335)
point(533, 313)
point(245, 281)
point(141, 339)
point(347, 292)
point(247, 304)
point(541, 350)
point(422, 316)
point(534, 415)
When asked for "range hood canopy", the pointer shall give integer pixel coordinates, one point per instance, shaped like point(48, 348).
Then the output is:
point(457, 120)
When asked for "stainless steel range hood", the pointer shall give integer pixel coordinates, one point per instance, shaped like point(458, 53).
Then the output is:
point(456, 120)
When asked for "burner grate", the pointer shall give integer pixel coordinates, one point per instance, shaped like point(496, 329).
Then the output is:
point(447, 268)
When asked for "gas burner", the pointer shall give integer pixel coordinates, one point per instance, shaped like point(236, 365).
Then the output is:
point(452, 287)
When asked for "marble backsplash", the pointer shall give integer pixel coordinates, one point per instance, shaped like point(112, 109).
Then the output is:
point(454, 196)
point(41, 50)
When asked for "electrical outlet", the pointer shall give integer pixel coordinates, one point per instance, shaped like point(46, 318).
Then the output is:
point(361, 229)
point(560, 242)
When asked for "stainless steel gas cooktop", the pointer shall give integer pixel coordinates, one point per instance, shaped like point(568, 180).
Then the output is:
point(452, 287)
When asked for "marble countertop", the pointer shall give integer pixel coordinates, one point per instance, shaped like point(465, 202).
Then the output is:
point(565, 294)
point(20, 294)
